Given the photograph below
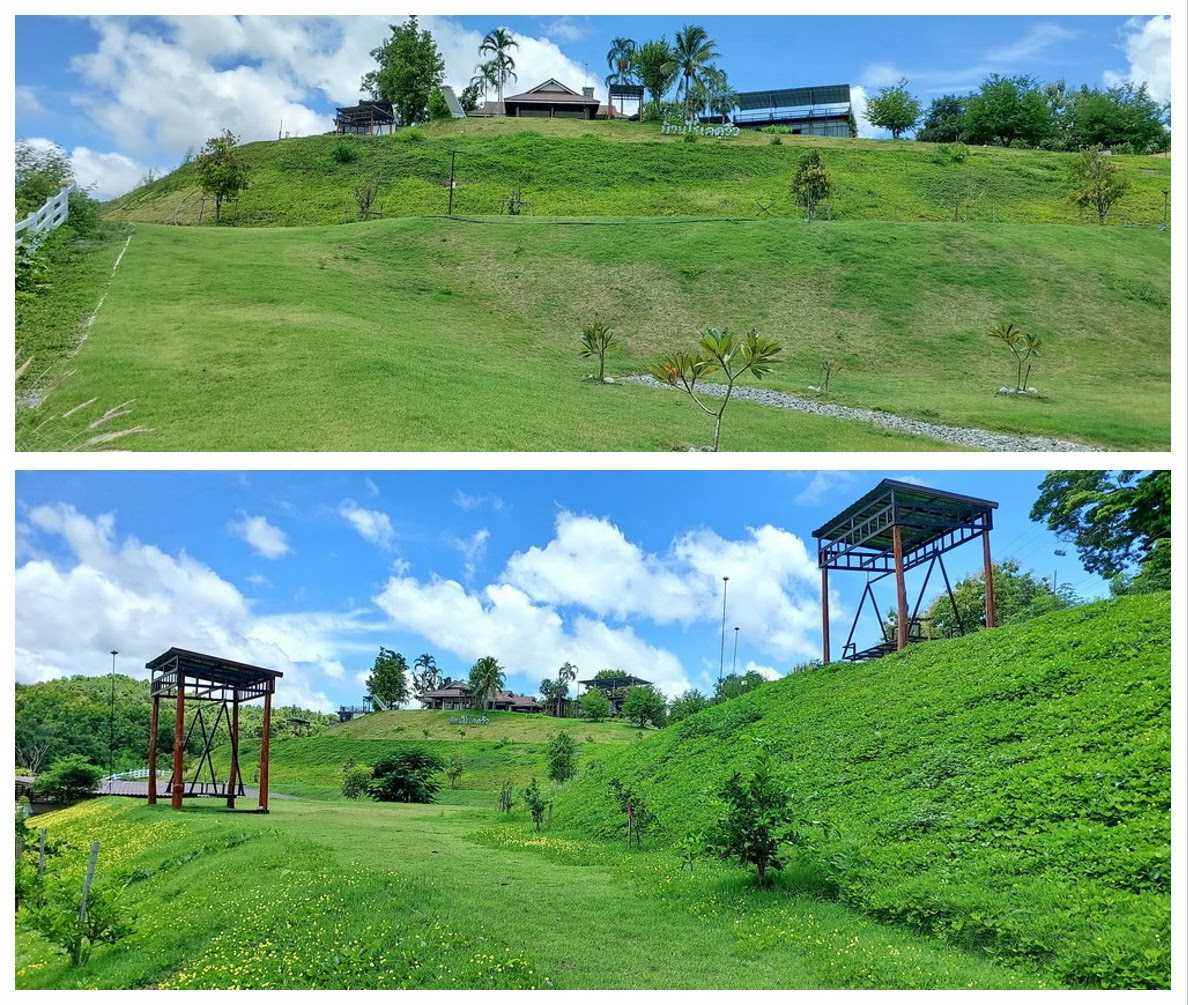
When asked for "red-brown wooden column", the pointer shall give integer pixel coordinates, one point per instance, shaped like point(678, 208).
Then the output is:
point(154, 717)
point(264, 738)
point(825, 616)
point(178, 784)
point(988, 575)
point(233, 775)
point(901, 616)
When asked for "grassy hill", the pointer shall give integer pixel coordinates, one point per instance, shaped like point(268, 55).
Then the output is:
point(570, 168)
point(1009, 790)
point(427, 334)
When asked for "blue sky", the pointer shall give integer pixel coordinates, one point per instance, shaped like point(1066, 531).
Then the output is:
point(123, 95)
point(312, 571)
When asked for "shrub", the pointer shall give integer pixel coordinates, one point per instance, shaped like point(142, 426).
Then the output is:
point(438, 109)
point(1098, 183)
point(507, 797)
point(344, 153)
point(775, 141)
point(644, 705)
point(411, 135)
point(407, 777)
point(59, 920)
point(562, 758)
point(536, 803)
point(811, 185)
point(455, 769)
point(594, 705)
point(355, 781)
point(67, 779)
point(689, 138)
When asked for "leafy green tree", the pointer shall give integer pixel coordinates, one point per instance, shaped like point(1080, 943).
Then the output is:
point(561, 755)
point(1115, 518)
point(637, 817)
point(655, 65)
point(1018, 596)
point(1153, 574)
point(356, 780)
point(388, 681)
point(41, 171)
point(67, 779)
point(718, 351)
point(894, 109)
point(1098, 183)
point(437, 108)
point(409, 68)
point(1125, 118)
point(537, 804)
point(811, 185)
point(733, 685)
point(757, 823)
point(455, 769)
point(686, 704)
point(597, 339)
point(693, 52)
point(406, 777)
point(222, 173)
point(644, 705)
point(944, 122)
point(469, 98)
point(58, 918)
point(1006, 111)
point(486, 680)
point(594, 705)
point(498, 44)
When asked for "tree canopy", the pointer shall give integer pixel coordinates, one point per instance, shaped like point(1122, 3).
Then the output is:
point(222, 173)
point(1018, 596)
point(409, 68)
point(894, 109)
point(388, 681)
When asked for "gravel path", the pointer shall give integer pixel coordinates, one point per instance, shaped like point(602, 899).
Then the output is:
point(962, 436)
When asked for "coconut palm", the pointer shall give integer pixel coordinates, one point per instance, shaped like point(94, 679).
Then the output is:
point(693, 52)
point(486, 680)
point(620, 60)
point(717, 93)
point(498, 44)
point(485, 78)
point(566, 675)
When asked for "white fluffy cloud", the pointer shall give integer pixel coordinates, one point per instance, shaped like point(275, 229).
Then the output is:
point(103, 175)
point(1147, 44)
point(371, 524)
point(473, 549)
point(138, 599)
point(265, 539)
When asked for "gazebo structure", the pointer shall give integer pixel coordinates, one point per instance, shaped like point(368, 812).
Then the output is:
point(896, 527)
point(217, 687)
point(615, 688)
point(367, 118)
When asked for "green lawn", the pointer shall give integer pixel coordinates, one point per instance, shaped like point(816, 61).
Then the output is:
point(426, 334)
point(571, 168)
point(339, 895)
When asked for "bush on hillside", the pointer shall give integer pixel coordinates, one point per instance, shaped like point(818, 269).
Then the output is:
point(438, 109)
point(594, 705)
point(562, 758)
point(811, 184)
point(537, 804)
point(344, 153)
point(356, 780)
point(1018, 596)
point(686, 704)
point(407, 777)
point(644, 706)
point(67, 779)
point(1097, 182)
point(58, 919)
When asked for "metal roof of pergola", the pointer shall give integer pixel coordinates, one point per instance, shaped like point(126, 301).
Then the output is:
point(794, 97)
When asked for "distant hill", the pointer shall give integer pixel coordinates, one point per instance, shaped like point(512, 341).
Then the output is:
point(584, 169)
point(1009, 790)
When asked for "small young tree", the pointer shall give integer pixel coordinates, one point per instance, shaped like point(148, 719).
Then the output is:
point(718, 350)
point(507, 797)
point(407, 777)
point(1023, 346)
point(594, 705)
point(455, 769)
point(757, 822)
point(364, 198)
point(637, 818)
point(1098, 182)
point(811, 185)
point(894, 109)
point(562, 758)
point(77, 928)
point(67, 779)
point(388, 681)
point(221, 172)
point(644, 705)
point(537, 804)
point(597, 338)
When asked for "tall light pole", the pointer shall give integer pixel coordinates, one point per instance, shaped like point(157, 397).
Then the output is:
point(111, 724)
point(735, 669)
point(722, 654)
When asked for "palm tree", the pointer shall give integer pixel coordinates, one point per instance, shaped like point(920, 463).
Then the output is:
point(486, 680)
point(498, 44)
point(620, 60)
point(565, 676)
point(694, 50)
point(429, 678)
point(485, 78)
point(719, 96)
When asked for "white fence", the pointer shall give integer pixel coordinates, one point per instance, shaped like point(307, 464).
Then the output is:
point(51, 215)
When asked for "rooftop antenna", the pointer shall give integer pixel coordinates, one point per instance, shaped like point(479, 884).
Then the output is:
point(722, 653)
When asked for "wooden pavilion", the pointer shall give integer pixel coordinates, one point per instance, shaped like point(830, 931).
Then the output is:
point(217, 686)
point(367, 118)
point(615, 688)
point(896, 527)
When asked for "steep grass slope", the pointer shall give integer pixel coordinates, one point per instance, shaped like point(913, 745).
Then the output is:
point(1009, 790)
point(431, 334)
point(626, 169)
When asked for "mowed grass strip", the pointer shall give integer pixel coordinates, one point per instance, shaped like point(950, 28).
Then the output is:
point(571, 168)
point(429, 334)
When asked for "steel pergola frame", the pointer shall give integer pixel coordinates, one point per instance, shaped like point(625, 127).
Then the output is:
point(182, 675)
point(894, 528)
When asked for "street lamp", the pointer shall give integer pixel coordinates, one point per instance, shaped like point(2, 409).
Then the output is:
point(735, 670)
point(111, 724)
point(722, 653)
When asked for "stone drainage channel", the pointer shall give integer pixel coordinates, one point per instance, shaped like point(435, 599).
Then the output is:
point(961, 436)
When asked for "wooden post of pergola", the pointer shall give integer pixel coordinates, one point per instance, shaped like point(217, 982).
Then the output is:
point(894, 528)
point(215, 687)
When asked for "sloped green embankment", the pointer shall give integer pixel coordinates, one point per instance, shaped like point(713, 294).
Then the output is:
point(1009, 790)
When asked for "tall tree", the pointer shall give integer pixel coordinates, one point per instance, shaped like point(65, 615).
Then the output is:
point(894, 109)
point(409, 68)
point(944, 122)
point(655, 65)
point(498, 44)
point(566, 675)
point(1008, 110)
point(620, 60)
point(1115, 518)
point(486, 680)
point(426, 676)
point(713, 91)
point(221, 171)
point(485, 78)
point(388, 681)
point(693, 52)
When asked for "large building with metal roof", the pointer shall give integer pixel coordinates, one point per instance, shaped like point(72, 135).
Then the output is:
point(810, 111)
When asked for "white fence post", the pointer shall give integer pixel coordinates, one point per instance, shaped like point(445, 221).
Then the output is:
point(52, 215)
